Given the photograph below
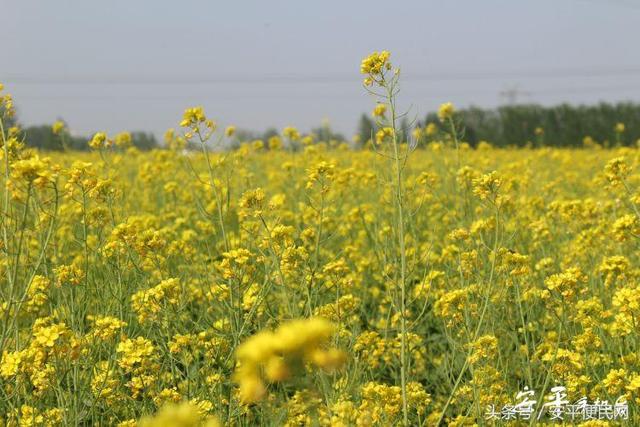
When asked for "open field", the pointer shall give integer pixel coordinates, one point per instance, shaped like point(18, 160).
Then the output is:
point(324, 285)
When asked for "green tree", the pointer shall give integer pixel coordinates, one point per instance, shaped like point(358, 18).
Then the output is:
point(366, 129)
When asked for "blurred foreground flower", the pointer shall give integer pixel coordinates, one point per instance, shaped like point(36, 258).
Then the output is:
point(274, 355)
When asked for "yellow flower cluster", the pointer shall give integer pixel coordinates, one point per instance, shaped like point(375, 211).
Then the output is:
point(274, 355)
point(33, 170)
point(374, 66)
point(617, 171)
point(99, 140)
point(193, 117)
point(58, 127)
point(291, 133)
point(446, 111)
point(185, 414)
point(148, 304)
point(379, 110)
point(6, 102)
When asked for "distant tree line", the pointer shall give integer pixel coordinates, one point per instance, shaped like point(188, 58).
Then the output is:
point(321, 133)
point(560, 126)
point(513, 125)
point(43, 137)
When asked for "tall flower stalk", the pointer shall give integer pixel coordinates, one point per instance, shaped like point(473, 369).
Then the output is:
point(382, 81)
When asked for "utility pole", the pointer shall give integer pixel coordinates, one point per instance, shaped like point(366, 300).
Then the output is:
point(511, 94)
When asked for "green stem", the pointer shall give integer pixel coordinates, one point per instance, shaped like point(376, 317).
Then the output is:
point(403, 259)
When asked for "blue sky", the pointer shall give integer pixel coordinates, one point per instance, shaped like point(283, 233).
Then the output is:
point(136, 64)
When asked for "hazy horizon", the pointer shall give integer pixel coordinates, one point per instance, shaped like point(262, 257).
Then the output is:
point(122, 66)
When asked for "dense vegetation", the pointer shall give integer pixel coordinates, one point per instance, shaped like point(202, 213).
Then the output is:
point(298, 282)
point(516, 125)
point(559, 126)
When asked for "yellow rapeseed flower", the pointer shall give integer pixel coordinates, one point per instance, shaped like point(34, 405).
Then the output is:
point(446, 111)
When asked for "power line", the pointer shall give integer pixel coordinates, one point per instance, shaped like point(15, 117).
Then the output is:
point(511, 94)
point(329, 78)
